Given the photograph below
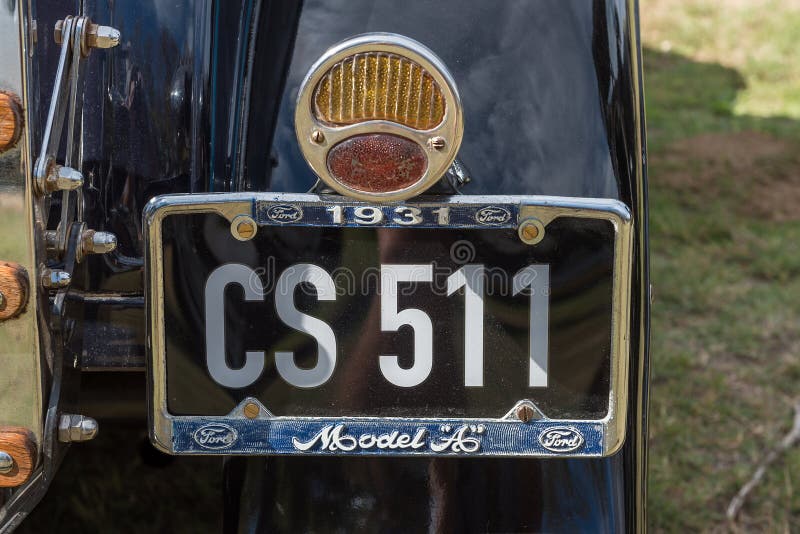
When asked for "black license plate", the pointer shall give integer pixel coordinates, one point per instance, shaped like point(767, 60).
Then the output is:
point(296, 324)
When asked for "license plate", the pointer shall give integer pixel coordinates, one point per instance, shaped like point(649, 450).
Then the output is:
point(466, 326)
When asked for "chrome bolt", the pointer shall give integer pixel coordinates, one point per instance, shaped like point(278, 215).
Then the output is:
point(58, 32)
point(55, 279)
point(317, 137)
point(6, 463)
point(102, 36)
point(51, 240)
point(525, 413)
point(73, 428)
point(93, 242)
point(243, 227)
point(66, 178)
point(531, 231)
point(96, 36)
point(437, 143)
point(59, 178)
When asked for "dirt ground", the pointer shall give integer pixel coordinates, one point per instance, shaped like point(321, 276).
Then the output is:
point(760, 168)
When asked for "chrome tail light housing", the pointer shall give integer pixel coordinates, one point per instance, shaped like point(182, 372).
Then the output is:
point(379, 118)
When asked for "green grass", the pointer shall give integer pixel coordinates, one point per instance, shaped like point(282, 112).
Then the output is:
point(722, 83)
point(757, 38)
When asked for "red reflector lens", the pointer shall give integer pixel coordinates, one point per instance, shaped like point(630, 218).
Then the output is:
point(377, 163)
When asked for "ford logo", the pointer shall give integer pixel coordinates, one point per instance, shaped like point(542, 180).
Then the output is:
point(561, 439)
point(215, 436)
point(284, 213)
point(492, 215)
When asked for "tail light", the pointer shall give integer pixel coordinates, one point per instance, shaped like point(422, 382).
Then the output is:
point(378, 117)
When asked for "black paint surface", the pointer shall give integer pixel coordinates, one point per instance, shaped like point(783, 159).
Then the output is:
point(580, 255)
point(553, 105)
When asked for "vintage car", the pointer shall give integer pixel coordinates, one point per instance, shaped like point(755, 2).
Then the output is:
point(389, 258)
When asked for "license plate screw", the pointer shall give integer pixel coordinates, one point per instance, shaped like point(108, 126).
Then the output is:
point(251, 410)
point(531, 231)
point(525, 413)
point(243, 228)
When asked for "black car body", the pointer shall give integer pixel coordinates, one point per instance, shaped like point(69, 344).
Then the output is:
point(198, 97)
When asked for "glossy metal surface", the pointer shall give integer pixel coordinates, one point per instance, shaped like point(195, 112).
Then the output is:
point(135, 143)
point(24, 360)
point(552, 105)
point(21, 394)
point(179, 263)
point(449, 130)
point(528, 74)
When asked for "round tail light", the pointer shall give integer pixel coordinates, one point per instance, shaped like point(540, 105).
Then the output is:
point(379, 118)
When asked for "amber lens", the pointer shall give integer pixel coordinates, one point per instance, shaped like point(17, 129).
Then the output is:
point(377, 163)
point(379, 86)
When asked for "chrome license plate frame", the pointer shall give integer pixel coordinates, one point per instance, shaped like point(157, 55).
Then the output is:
point(250, 428)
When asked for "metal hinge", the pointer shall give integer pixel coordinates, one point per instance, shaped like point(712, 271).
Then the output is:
point(77, 37)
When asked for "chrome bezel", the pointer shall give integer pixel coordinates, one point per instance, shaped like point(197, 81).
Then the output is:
point(25, 339)
point(451, 129)
point(269, 434)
